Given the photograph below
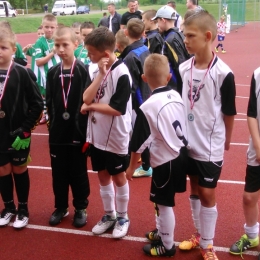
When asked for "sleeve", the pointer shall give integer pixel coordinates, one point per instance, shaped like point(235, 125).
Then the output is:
point(99, 23)
point(35, 103)
point(252, 103)
point(228, 95)
point(123, 19)
point(49, 94)
point(141, 133)
point(155, 46)
point(19, 56)
point(123, 91)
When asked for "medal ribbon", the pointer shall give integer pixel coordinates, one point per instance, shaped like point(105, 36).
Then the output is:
point(2, 90)
point(66, 95)
point(192, 100)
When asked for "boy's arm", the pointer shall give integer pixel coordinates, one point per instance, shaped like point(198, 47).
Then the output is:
point(229, 123)
point(44, 60)
point(255, 135)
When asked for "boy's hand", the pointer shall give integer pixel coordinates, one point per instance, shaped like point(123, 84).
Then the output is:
point(84, 109)
point(102, 65)
point(22, 139)
point(130, 172)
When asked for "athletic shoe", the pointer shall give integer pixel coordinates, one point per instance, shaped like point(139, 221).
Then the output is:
point(57, 216)
point(103, 225)
point(208, 253)
point(216, 50)
point(153, 235)
point(121, 227)
point(223, 51)
point(193, 242)
point(6, 216)
point(43, 120)
point(158, 249)
point(80, 218)
point(243, 244)
point(21, 219)
point(140, 172)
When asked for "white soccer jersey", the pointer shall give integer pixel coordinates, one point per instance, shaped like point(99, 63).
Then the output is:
point(253, 110)
point(160, 126)
point(214, 96)
point(111, 133)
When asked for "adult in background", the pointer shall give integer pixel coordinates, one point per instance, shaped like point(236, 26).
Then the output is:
point(193, 5)
point(114, 19)
point(132, 13)
point(103, 20)
point(45, 8)
point(178, 21)
point(137, 6)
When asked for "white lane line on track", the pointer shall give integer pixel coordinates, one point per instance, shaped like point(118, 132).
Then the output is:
point(129, 238)
point(240, 119)
point(241, 97)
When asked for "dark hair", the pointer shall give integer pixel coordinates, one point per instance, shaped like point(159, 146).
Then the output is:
point(104, 14)
point(111, 4)
point(87, 24)
point(135, 28)
point(101, 38)
point(172, 3)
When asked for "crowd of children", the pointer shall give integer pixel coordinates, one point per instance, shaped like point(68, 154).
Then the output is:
point(137, 95)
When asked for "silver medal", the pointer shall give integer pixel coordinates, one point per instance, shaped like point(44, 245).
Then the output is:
point(66, 115)
point(2, 114)
point(93, 119)
point(190, 117)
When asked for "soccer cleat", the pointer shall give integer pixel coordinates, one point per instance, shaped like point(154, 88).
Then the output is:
point(193, 242)
point(243, 244)
point(103, 225)
point(158, 249)
point(21, 219)
point(223, 51)
point(6, 216)
point(80, 218)
point(153, 235)
point(121, 227)
point(208, 253)
point(216, 50)
point(57, 216)
point(140, 172)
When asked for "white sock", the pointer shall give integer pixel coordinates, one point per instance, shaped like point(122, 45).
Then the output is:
point(166, 225)
point(208, 219)
point(122, 198)
point(252, 232)
point(107, 194)
point(195, 205)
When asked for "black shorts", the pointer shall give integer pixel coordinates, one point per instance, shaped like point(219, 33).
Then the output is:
point(167, 179)
point(252, 178)
point(208, 172)
point(104, 160)
point(16, 158)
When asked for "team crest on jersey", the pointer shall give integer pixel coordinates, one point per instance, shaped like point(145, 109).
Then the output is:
point(101, 91)
point(195, 93)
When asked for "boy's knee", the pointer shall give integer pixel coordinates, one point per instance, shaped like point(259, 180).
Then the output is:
point(250, 198)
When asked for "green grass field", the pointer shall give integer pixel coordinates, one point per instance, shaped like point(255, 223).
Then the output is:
point(30, 23)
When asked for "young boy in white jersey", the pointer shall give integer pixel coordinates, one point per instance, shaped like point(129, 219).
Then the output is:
point(252, 180)
point(20, 109)
point(161, 120)
point(209, 98)
point(45, 56)
point(221, 33)
point(108, 100)
point(66, 83)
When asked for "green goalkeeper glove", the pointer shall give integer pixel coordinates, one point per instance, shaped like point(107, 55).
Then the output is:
point(22, 139)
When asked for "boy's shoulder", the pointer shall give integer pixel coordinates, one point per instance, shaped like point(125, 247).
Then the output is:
point(136, 49)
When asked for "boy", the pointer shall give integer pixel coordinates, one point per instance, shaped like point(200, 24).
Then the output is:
point(161, 120)
point(153, 39)
point(251, 190)
point(84, 29)
point(45, 56)
point(221, 33)
point(209, 98)
point(108, 100)
point(67, 129)
point(173, 48)
point(121, 42)
point(20, 110)
point(133, 56)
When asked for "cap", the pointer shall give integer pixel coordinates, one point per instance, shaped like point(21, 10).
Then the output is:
point(165, 12)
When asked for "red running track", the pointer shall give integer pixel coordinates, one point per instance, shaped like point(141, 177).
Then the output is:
point(64, 242)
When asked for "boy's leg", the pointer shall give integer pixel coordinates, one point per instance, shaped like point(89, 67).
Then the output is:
point(79, 185)
point(145, 169)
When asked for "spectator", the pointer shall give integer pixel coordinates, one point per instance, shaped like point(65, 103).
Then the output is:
point(132, 13)
point(178, 21)
point(193, 5)
point(137, 6)
point(103, 21)
point(45, 8)
point(114, 19)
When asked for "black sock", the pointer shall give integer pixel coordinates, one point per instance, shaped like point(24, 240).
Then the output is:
point(217, 46)
point(146, 159)
point(6, 188)
point(22, 186)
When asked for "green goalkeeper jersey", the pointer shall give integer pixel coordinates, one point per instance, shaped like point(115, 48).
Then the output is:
point(43, 47)
point(82, 54)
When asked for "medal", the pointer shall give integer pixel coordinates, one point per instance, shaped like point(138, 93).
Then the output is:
point(93, 119)
point(190, 117)
point(2, 114)
point(66, 115)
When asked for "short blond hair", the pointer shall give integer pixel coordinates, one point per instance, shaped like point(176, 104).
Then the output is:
point(6, 34)
point(61, 31)
point(49, 18)
point(203, 19)
point(121, 38)
point(135, 28)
